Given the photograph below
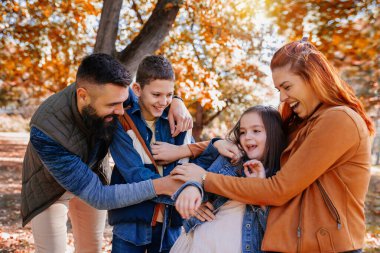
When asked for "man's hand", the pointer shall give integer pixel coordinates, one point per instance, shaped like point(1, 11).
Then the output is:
point(165, 153)
point(180, 119)
point(188, 201)
point(166, 185)
point(188, 172)
point(228, 149)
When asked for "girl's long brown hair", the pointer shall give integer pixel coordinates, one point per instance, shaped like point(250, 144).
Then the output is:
point(310, 64)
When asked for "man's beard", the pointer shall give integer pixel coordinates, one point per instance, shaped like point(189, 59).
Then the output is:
point(99, 128)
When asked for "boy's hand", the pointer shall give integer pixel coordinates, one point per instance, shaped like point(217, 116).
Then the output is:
point(228, 149)
point(188, 201)
point(254, 168)
point(165, 153)
point(180, 119)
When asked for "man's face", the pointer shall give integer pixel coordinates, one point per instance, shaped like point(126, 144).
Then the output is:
point(107, 100)
point(101, 106)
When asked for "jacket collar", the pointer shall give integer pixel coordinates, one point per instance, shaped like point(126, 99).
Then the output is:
point(317, 112)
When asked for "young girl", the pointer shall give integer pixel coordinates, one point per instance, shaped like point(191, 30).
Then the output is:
point(238, 227)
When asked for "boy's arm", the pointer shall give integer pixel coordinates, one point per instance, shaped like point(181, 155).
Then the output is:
point(165, 153)
point(208, 156)
point(197, 148)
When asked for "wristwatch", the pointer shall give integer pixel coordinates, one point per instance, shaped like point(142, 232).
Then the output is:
point(204, 178)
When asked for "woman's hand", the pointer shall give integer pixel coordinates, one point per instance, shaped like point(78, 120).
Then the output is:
point(179, 117)
point(188, 172)
point(254, 168)
point(228, 149)
point(188, 201)
point(165, 153)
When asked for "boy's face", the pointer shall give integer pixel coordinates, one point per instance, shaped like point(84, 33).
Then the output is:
point(154, 97)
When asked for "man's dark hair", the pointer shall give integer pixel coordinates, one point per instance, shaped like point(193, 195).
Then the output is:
point(101, 69)
point(154, 67)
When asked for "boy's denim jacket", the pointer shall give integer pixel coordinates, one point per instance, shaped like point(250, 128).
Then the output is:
point(133, 223)
point(254, 221)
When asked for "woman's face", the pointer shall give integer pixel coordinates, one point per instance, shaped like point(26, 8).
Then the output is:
point(252, 135)
point(294, 91)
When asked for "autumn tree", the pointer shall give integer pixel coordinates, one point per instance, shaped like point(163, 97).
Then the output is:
point(40, 44)
point(347, 32)
point(213, 46)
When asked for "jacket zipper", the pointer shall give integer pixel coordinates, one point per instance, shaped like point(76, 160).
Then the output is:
point(299, 229)
point(330, 205)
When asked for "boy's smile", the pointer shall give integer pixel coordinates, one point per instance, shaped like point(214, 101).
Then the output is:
point(154, 97)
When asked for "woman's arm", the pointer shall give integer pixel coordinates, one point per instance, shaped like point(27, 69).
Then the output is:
point(334, 134)
point(165, 153)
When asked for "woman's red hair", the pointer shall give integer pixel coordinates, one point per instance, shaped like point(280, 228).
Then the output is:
point(310, 64)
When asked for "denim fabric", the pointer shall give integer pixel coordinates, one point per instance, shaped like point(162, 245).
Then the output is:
point(121, 246)
point(133, 223)
point(76, 177)
point(254, 221)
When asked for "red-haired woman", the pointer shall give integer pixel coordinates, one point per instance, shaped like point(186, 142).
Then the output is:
point(318, 195)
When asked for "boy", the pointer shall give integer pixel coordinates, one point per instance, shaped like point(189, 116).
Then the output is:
point(153, 225)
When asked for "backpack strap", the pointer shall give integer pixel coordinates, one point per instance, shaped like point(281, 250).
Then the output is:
point(128, 124)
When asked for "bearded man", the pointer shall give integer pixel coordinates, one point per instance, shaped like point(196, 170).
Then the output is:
point(65, 169)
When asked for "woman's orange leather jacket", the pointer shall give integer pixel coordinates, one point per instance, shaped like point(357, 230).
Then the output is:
point(317, 197)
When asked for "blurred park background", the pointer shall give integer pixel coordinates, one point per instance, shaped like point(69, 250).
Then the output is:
point(220, 50)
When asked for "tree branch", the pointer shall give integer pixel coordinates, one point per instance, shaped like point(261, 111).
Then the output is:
point(135, 8)
point(211, 118)
point(108, 27)
point(152, 35)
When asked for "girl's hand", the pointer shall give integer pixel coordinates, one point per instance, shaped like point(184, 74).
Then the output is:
point(188, 172)
point(254, 168)
point(228, 149)
point(165, 153)
point(205, 212)
point(188, 201)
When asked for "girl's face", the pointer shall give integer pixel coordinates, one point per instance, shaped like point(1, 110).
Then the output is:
point(253, 135)
point(295, 92)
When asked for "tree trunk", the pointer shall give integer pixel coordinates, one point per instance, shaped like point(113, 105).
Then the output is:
point(108, 27)
point(149, 39)
point(198, 124)
point(151, 35)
